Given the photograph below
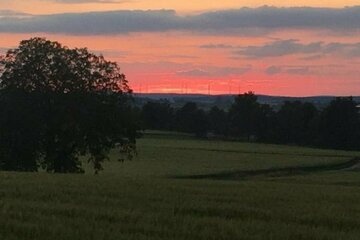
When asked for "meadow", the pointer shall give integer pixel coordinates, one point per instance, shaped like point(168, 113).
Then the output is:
point(172, 190)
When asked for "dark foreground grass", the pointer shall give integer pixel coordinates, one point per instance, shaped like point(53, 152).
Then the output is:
point(137, 200)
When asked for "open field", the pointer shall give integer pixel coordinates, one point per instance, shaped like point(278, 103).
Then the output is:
point(157, 195)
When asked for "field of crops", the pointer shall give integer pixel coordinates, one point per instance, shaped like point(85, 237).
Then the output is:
point(172, 190)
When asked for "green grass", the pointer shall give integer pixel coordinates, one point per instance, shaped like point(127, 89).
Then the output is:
point(142, 199)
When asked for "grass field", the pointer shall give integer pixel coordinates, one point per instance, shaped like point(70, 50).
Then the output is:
point(156, 196)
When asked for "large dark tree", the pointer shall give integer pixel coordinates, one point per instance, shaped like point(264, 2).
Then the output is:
point(58, 104)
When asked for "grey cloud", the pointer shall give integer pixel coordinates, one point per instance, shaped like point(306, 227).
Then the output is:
point(217, 46)
point(95, 23)
point(293, 70)
point(111, 53)
point(9, 14)
point(193, 73)
point(279, 48)
point(272, 70)
point(345, 49)
point(302, 70)
point(305, 69)
point(277, 18)
point(214, 72)
point(241, 21)
point(290, 47)
point(312, 57)
point(179, 56)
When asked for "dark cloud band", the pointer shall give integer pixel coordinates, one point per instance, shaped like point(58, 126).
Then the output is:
point(242, 21)
point(292, 47)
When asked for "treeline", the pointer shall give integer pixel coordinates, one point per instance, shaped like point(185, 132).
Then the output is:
point(335, 126)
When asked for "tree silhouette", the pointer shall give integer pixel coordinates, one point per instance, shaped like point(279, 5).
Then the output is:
point(158, 115)
point(295, 123)
point(76, 104)
point(218, 121)
point(245, 116)
point(191, 119)
point(340, 124)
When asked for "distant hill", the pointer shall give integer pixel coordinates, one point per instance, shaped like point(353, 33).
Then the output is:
point(224, 101)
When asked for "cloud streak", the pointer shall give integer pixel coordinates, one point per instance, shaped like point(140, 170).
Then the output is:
point(10, 14)
point(241, 21)
point(317, 70)
point(291, 47)
point(279, 48)
point(217, 46)
point(214, 72)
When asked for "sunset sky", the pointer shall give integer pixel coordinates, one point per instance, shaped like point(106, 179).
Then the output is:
point(292, 48)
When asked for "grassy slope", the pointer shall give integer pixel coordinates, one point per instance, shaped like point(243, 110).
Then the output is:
point(138, 200)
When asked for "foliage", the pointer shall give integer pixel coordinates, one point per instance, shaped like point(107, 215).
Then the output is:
point(340, 124)
point(71, 102)
point(336, 126)
point(246, 116)
point(191, 119)
point(158, 115)
point(218, 121)
point(295, 122)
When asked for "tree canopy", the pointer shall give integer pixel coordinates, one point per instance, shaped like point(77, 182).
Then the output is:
point(191, 119)
point(246, 116)
point(158, 115)
point(340, 124)
point(58, 104)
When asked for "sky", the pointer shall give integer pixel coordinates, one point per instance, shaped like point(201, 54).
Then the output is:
point(289, 48)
